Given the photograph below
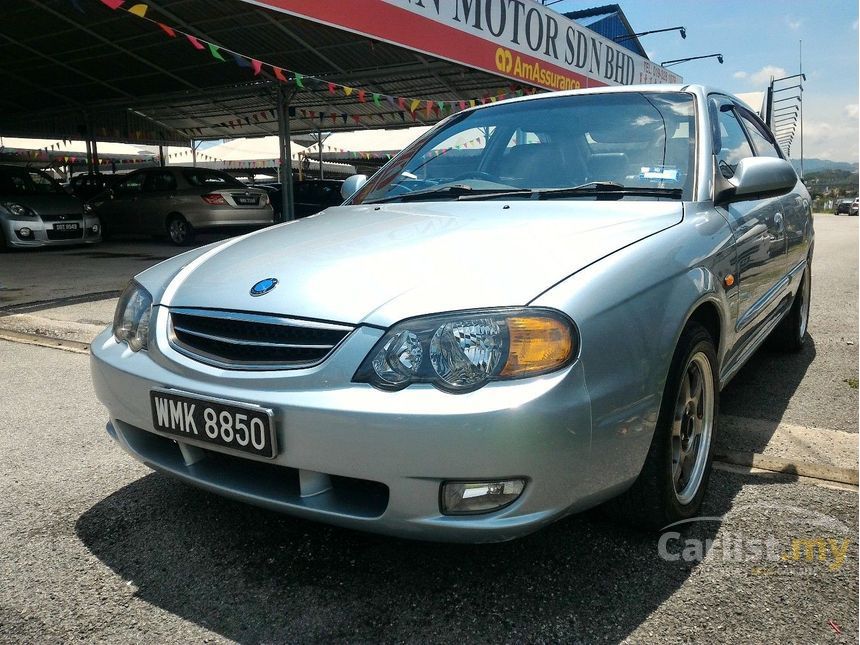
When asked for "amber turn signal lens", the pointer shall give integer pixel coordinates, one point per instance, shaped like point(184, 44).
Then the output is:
point(537, 344)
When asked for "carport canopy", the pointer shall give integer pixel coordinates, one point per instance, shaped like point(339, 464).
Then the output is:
point(172, 72)
point(73, 67)
point(165, 72)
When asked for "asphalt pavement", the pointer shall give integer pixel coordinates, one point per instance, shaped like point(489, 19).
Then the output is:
point(37, 279)
point(96, 547)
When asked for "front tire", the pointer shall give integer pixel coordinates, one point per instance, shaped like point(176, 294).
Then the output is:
point(675, 475)
point(180, 231)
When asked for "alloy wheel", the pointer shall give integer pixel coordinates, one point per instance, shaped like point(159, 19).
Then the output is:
point(692, 427)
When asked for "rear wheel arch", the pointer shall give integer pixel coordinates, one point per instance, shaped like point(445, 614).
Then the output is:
point(170, 216)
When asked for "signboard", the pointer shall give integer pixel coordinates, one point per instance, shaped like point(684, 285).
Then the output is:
point(518, 39)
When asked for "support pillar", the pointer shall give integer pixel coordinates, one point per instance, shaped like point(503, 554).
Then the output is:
point(95, 156)
point(320, 141)
point(89, 154)
point(286, 163)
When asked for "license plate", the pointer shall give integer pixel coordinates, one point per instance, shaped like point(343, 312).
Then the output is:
point(246, 201)
point(66, 227)
point(238, 426)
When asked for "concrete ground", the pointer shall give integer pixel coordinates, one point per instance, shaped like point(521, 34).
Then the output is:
point(94, 546)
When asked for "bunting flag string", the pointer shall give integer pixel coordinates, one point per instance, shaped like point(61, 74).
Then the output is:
point(410, 105)
point(321, 117)
point(477, 142)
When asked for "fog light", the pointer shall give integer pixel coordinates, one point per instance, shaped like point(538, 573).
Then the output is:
point(25, 232)
point(95, 228)
point(464, 498)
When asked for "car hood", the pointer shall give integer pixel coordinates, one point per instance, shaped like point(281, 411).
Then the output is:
point(50, 204)
point(378, 264)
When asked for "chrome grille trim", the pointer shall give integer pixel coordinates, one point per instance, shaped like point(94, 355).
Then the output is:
point(237, 341)
point(241, 340)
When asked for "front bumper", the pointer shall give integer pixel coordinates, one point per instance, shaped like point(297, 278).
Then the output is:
point(386, 453)
point(44, 234)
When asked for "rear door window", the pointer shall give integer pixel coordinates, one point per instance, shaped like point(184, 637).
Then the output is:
point(158, 181)
point(131, 186)
point(210, 178)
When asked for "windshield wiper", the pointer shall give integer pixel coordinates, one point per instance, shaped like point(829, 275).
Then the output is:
point(605, 189)
point(459, 191)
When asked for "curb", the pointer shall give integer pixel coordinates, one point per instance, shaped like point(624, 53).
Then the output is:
point(799, 468)
point(44, 341)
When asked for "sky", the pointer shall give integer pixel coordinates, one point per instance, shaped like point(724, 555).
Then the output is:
point(759, 39)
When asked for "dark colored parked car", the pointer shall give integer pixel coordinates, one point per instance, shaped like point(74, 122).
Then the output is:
point(843, 207)
point(309, 196)
point(313, 196)
point(86, 186)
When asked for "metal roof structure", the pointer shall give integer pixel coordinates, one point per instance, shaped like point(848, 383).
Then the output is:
point(74, 66)
point(609, 21)
point(172, 72)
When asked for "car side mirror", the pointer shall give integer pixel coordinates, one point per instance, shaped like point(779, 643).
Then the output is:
point(757, 178)
point(351, 185)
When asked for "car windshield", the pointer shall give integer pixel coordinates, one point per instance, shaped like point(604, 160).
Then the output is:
point(27, 181)
point(211, 178)
point(637, 145)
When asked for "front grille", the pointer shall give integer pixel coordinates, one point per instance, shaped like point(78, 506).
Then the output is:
point(67, 217)
point(248, 341)
point(74, 234)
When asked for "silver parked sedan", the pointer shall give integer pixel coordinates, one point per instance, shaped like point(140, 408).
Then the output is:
point(180, 201)
point(36, 211)
point(528, 312)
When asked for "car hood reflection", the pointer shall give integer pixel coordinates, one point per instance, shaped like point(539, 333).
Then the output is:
point(379, 264)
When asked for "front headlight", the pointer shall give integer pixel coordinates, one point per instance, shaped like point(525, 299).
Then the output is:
point(131, 319)
point(18, 210)
point(462, 351)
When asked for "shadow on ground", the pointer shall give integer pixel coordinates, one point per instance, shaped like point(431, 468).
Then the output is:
point(767, 382)
point(253, 575)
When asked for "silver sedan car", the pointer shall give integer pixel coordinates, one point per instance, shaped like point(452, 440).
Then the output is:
point(36, 211)
point(179, 201)
point(530, 311)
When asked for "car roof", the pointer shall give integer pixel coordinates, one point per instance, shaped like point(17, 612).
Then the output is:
point(692, 88)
